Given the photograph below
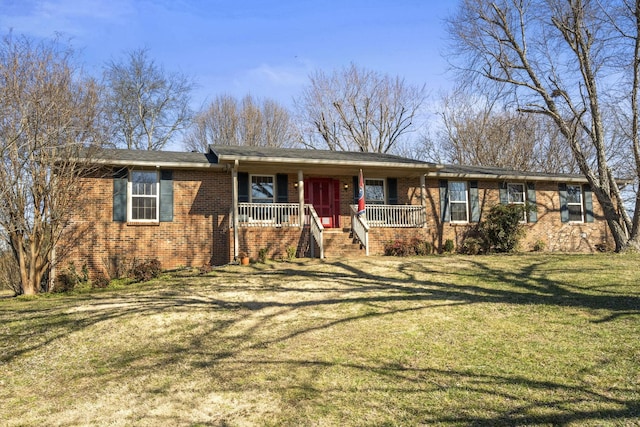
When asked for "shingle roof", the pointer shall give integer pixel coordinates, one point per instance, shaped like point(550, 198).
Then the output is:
point(114, 156)
point(501, 173)
point(298, 154)
point(227, 153)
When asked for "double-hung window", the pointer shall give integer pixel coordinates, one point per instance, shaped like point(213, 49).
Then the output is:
point(374, 191)
point(516, 196)
point(262, 189)
point(263, 193)
point(458, 201)
point(144, 196)
point(574, 203)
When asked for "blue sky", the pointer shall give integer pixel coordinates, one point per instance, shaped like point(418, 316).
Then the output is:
point(263, 48)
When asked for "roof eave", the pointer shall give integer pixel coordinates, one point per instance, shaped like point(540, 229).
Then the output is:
point(502, 177)
point(327, 162)
point(158, 164)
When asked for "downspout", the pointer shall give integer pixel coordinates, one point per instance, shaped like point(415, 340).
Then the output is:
point(234, 202)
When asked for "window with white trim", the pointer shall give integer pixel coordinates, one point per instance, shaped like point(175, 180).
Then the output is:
point(574, 203)
point(458, 201)
point(374, 191)
point(516, 196)
point(262, 189)
point(143, 194)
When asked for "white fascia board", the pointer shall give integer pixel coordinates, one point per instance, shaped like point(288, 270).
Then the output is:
point(509, 177)
point(367, 164)
point(172, 165)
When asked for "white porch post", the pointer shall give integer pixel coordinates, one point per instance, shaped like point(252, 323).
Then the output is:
point(423, 198)
point(234, 202)
point(301, 197)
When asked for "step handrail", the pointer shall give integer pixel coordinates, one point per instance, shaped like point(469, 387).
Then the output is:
point(360, 229)
point(317, 230)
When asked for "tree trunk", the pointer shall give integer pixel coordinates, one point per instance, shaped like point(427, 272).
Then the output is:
point(632, 245)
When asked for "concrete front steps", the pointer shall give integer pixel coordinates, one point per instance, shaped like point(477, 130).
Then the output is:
point(339, 243)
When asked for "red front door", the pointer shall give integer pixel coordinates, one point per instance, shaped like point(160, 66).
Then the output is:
point(324, 194)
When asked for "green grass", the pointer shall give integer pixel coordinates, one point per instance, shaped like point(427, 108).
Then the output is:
point(450, 341)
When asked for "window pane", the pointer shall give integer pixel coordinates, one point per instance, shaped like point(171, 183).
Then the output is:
point(575, 213)
point(459, 212)
point(374, 191)
point(515, 193)
point(143, 183)
point(458, 192)
point(262, 189)
point(574, 194)
point(143, 208)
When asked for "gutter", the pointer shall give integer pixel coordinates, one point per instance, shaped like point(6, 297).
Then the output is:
point(283, 160)
point(148, 163)
point(502, 177)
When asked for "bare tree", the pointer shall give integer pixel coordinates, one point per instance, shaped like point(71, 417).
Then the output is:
point(227, 121)
point(145, 106)
point(479, 130)
point(47, 113)
point(564, 60)
point(355, 109)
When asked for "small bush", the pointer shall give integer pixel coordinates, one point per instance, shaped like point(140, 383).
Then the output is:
point(397, 248)
point(291, 253)
point(539, 246)
point(401, 247)
point(471, 246)
point(448, 246)
point(206, 268)
point(145, 271)
point(501, 231)
point(262, 255)
point(100, 281)
point(421, 247)
point(67, 279)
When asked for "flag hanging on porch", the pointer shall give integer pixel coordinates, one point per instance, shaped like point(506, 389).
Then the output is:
point(361, 206)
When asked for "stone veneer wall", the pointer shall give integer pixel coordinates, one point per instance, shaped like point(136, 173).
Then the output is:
point(549, 229)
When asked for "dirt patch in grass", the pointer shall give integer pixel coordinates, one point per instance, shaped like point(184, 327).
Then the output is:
point(505, 340)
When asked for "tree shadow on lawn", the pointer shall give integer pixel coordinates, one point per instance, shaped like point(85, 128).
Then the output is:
point(348, 285)
point(525, 286)
point(556, 403)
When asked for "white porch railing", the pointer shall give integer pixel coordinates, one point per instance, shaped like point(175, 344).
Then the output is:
point(283, 215)
point(360, 228)
point(317, 230)
point(289, 215)
point(395, 216)
point(269, 215)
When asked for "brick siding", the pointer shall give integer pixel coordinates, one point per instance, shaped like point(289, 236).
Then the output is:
point(200, 232)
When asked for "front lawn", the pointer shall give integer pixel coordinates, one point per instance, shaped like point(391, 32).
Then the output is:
point(451, 341)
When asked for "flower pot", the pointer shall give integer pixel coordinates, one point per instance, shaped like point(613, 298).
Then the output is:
point(244, 260)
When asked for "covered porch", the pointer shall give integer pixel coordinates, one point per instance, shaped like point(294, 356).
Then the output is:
point(307, 220)
point(311, 193)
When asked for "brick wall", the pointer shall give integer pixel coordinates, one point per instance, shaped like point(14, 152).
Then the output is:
point(199, 233)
